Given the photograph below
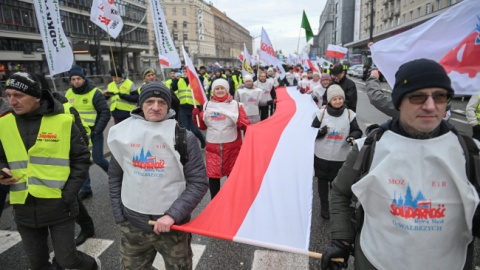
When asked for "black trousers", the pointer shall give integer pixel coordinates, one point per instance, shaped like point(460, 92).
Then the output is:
point(263, 112)
point(84, 219)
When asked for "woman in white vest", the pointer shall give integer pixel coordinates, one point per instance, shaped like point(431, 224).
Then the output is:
point(338, 129)
point(223, 118)
point(319, 91)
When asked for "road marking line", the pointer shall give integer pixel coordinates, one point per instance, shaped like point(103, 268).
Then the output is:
point(93, 247)
point(458, 120)
point(9, 239)
point(197, 254)
point(267, 259)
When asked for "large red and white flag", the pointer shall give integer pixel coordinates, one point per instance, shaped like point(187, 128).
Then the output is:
point(336, 51)
point(267, 53)
point(105, 14)
point(246, 65)
point(457, 49)
point(167, 54)
point(193, 80)
point(307, 63)
point(267, 199)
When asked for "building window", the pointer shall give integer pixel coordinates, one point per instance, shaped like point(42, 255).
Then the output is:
point(185, 36)
point(175, 36)
point(428, 8)
point(438, 4)
point(174, 24)
point(185, 24)
point(411, 14)
point(184, 11)
point(419, 12)
point(174, 11)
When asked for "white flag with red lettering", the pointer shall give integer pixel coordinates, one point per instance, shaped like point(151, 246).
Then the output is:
point(105, 14)
point(267, 54)
point(193, 80)
point(457, 48)
point(167, 54)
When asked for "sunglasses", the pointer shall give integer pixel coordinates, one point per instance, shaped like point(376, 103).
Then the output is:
point(438, 98)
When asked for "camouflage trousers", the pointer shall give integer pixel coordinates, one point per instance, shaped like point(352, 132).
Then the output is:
point(139, 248)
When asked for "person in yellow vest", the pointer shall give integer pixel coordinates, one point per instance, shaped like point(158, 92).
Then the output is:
point(168, 82)
point(89, 101)
point(123, 96)
point(472, 112)
point(47, 160)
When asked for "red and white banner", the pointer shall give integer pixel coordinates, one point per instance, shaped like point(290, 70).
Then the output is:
point(267, 53)
point(457, 49)
point(194, 80)
point(335, 51)
point(267, 199)
point(105, 14)
point(167, 54)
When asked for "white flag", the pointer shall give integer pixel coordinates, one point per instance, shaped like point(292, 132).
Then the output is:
point(267, 53)
point(108, 21)
point(167, 53)
point(323, 63)
point(452, 39)
point(246, 65)
point(57, 49)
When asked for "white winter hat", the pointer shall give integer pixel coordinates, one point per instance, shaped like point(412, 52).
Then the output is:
point(220, 82)
point(248, 78)
point(334, 91)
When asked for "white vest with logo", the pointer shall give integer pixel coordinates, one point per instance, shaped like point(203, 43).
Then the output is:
point(152, 173)
point(266, 87)
point(319, 91)
point(250, 99)
point(334, 146)
point(221, 120)
point(418, 204)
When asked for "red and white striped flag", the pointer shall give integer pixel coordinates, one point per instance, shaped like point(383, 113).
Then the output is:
point(335, 51)
point(457, 49)
point(194, 80)
point(267, 199)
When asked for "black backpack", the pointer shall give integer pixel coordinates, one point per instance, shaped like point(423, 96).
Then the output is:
point(181, 143)
point(365, 157)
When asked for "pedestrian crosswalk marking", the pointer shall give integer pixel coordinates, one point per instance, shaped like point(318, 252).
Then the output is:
point(9, 239)
point(93, 247)
point(267, 259)
point(197, 254)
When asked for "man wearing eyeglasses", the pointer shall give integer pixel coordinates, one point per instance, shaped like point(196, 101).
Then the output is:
point(418, 204)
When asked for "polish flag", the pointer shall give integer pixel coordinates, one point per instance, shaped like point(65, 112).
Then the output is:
point(240, 56)
point(194, 81)
point(457, 50)
point(267, 199)
point(335, 51)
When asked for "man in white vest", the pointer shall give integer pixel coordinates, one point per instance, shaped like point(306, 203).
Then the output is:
point(251, 98)
point(150, 181)
point(420, 208)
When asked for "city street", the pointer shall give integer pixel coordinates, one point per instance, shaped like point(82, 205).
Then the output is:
point(209, 253)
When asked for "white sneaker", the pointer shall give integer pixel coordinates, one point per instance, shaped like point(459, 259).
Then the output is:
point(99, 263)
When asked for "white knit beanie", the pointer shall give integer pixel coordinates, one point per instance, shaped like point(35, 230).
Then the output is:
point(248, 78)
point(220, 82)
point(335, 91)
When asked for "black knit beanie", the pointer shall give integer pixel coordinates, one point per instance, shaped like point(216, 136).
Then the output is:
point(76, 71)
point(419, 74)
point(155, 89)
point(25, 82)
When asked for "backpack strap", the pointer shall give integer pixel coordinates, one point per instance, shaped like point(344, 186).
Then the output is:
point(181, 143)
point(365, 157)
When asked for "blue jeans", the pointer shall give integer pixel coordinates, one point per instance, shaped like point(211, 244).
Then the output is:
point(35, 244)
point(98, 158)
point(186, 121)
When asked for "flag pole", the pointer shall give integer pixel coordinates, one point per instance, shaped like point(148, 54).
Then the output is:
point(111, 53)
point(298, 43)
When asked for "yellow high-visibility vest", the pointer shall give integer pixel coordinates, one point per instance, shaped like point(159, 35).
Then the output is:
point(44, 169)
point(115, 101)
point(83, 103)
point(66, 108)
point(184, 93)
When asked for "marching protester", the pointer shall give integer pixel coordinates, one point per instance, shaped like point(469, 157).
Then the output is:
point(159, 184)
point(414, 183)
point(149, 74)
point(289, 79)
point(223, 118)
point(43, 184)
point(314, 82)
point(319, 91)
point(90, 103)
point(267, 86)
point(338, 129)
point(304, 83)
point(348, 86)
point(123, 96)
point(250, 97)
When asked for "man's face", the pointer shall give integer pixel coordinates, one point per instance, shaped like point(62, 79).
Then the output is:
point(339, 76)
point(227, 72)
point(150, 77)
point(172, 75)
point(116, 79)
point(325, 83)
point(316, 77)
point(218, 74)
point(270, 73)
point(262, 77)
point(424, 116)
point(77, 81)
point(22, 103)
point(248, 84)
point(202, 71)
point(309, 75)
point(155, 109)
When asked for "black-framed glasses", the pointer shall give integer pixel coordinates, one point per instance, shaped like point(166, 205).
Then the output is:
point(438, 98)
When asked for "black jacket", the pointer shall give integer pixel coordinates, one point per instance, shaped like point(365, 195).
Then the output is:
point(38, 212)
point(100, 104)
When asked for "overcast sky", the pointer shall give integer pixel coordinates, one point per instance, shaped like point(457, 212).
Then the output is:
point(281, 19)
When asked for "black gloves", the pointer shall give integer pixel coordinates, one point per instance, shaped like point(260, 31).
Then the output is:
point(337, 249)
point(315, 98)
point(476, 223)
point(476, 129)
point(350, 140)
point(322, 132)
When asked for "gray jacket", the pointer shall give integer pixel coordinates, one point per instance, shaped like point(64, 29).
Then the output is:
point(4, 106)
point(197, 185)
point(379, 99)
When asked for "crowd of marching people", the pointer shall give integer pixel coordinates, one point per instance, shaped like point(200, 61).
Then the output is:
point(47, 190)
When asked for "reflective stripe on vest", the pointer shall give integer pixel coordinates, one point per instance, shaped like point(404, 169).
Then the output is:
point(44, 169)
point(115, 101)
point(84, 105)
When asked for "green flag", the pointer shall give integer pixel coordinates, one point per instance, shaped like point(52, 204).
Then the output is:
point(306, 26)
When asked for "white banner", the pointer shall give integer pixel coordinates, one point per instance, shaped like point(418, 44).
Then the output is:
point(57, 49)
point(246, 65)
point(166, 48)
point(109, 22)
point(267, 53)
